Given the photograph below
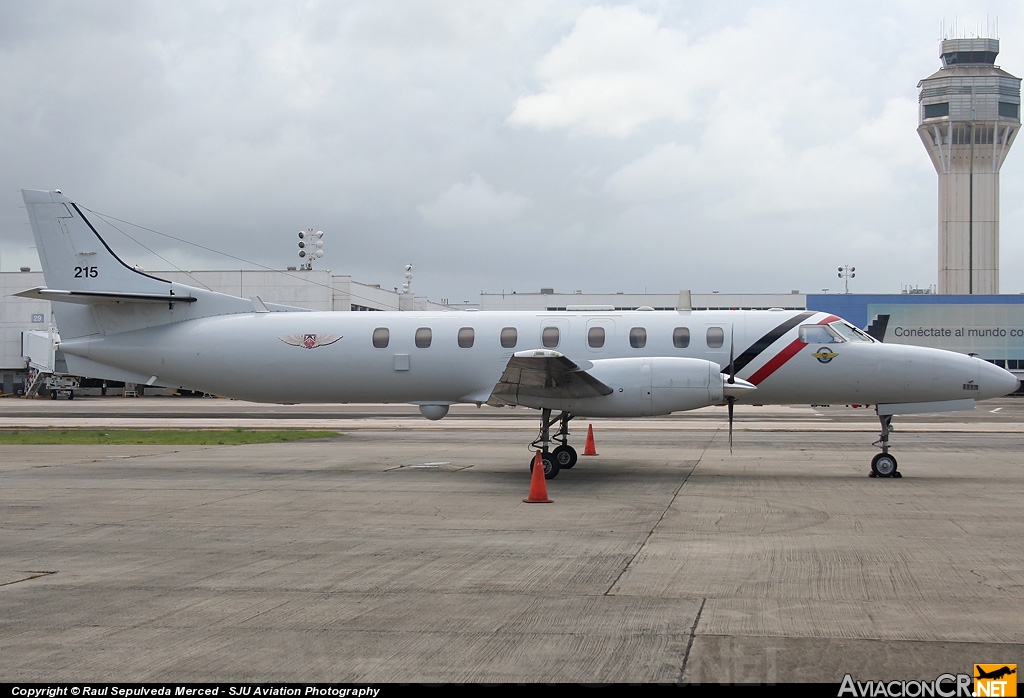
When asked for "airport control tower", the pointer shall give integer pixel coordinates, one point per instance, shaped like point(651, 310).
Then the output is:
point(969, 114)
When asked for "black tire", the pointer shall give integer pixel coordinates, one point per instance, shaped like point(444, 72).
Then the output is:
point(566, 456)
point(550, 466)
point(884, 465)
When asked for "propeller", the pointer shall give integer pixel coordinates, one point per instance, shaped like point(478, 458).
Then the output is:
point(734, 387)
point(731, 399)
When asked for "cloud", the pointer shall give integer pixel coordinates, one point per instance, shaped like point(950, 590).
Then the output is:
point(617, 70)
point(739, 170)
point(638, 137)
point(472, 204)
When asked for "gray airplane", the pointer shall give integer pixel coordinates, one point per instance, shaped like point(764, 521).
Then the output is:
point(118, 323)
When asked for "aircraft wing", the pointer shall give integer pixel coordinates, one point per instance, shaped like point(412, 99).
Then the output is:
point(545, 374)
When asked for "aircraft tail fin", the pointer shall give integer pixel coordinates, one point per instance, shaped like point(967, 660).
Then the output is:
point(73, 255)
point(93, 291)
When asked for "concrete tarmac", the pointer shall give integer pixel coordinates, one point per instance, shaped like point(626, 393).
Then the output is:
point(400, 550)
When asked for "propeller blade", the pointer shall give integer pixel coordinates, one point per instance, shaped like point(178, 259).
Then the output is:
point(731, 402)
point(731, 399)
point(732, 361)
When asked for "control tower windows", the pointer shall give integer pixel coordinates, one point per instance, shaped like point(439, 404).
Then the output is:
point(1009, 109)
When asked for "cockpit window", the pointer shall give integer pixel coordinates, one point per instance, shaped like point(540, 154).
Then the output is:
point(850, 333)
point(818, 334)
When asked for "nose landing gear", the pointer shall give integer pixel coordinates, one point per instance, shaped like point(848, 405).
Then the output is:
point(884, 464)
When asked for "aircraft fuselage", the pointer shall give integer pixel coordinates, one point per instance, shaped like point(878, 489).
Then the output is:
point(459, 356)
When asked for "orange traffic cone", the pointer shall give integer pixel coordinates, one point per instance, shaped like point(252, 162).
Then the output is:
point(538, 485)
point(590, 449)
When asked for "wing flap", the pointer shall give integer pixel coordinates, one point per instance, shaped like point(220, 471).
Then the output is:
point(543, 373)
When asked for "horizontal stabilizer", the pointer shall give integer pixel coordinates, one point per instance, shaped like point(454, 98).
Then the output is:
point(91, 297)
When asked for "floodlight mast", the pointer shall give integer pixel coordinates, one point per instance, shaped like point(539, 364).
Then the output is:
point(846, 273)
point(311, 246)
point(407, 284)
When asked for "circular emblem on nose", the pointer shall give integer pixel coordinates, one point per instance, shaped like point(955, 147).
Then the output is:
point(824, 355)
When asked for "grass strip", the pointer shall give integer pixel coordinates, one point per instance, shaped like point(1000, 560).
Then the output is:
point(170, 437)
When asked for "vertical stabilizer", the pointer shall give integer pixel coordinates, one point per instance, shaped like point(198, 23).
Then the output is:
point(73, 255)
point(96, 293)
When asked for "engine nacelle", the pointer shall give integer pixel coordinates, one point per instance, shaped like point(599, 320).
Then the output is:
point(645, 387)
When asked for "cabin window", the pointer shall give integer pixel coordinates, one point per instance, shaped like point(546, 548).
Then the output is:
point(638, 338)
point(715, 337)
point(509, 337)
point(817, 334)
point(681, 337)
point(423, 337)
point(549, 337)
point(466, 337)
point(381, 337)
point(595, 337)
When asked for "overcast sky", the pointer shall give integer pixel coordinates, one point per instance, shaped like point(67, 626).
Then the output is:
point(498, 146)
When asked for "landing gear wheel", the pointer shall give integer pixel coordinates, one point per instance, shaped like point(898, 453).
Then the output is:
point(884, 465)
point(550, 466)
point(565, 456)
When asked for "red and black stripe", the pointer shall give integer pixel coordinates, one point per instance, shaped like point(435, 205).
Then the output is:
point(755, 349)
point(787, 353)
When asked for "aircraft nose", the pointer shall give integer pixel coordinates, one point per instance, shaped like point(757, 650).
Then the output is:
point(995, 381)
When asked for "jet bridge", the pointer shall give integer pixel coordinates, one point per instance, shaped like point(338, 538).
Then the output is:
point(46, 364)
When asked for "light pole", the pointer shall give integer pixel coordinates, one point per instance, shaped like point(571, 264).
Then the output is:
point(846, 273)
point(310, 247)
point(407, 284)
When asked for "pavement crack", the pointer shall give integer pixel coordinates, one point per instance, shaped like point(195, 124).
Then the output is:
point(664, 512)
point(689, 642)
point(33, 574)
point(958, 526)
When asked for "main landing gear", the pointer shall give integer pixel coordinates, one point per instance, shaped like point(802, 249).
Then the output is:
point(884, 464)
point(564, 455)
